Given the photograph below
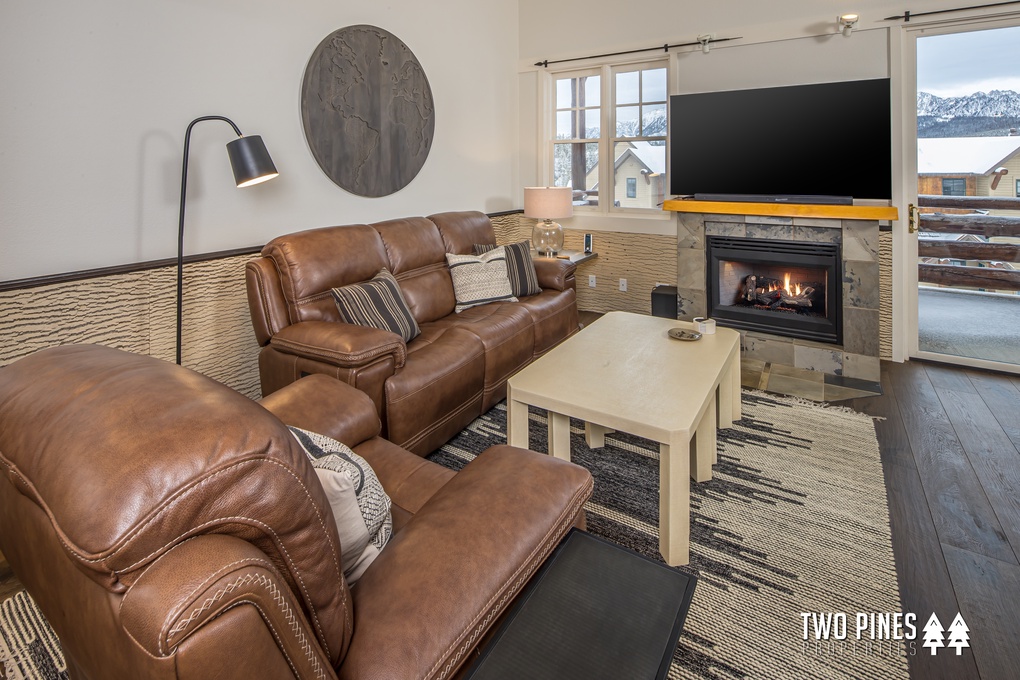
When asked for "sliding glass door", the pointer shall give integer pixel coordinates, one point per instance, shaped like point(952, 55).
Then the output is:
point(962, 141)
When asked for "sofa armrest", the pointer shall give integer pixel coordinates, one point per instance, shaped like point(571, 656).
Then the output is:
point(176, 607)
point(554, 273)
point(339, 344)
point(460, 561)
point(266, 302)
point(322, 404)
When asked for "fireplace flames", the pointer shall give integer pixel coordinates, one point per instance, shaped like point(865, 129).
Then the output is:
point(778, 294)
point(773, 286)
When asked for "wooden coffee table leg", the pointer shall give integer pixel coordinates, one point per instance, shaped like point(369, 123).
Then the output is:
point(736, 412)
point(595, 435)
point(703, 453)
point(559, 435)
point(517, 423)
point(729, 392)
point(675, 501)
point(725, 401)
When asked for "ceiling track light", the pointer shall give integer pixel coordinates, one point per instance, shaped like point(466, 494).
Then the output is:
point(847, 22)
point(706, 40)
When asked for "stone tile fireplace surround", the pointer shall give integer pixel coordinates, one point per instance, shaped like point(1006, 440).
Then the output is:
point(858, 355)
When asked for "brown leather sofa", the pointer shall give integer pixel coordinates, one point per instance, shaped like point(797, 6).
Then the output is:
point(169, 527)
point(427, 390)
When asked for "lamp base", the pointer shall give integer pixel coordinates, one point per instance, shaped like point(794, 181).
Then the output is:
point(547, 238)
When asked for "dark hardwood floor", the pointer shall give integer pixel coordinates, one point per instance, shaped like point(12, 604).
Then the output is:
point(950, 445)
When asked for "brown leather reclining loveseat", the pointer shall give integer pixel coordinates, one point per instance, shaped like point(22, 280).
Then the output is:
point(427, 390)
point(169, 527)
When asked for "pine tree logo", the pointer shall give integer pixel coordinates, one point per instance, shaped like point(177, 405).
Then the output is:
point(958, 634)
point(933, 634)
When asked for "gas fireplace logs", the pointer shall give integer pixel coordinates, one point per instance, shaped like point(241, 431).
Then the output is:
point(762, 291)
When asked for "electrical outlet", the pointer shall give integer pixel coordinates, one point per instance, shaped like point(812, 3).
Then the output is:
point(623, 285)
point(591, 280)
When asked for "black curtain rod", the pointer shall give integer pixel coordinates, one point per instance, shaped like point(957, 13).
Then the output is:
point(907, 15)
point(664, 48)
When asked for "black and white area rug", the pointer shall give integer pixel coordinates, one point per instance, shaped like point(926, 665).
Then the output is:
point(793, 521)
point(28, 648)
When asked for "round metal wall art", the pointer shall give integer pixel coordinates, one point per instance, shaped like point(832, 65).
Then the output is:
point(367, 110)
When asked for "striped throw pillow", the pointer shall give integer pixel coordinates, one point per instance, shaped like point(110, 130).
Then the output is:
point(479, 279)
point(520, 268)
point(379, 303)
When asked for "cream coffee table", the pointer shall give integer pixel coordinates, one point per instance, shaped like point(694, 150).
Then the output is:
point(624, 373)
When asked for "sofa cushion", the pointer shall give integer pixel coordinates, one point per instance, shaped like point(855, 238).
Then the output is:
point(480, 279)
point(347, 477)
point(417, 258)
point(461, 230)
point(520, 268)
point(507, 333)
point(311, 263)
point(409, 480)
point(554, 313)
point(378, 303)
point(437, 392)
point(486, 531)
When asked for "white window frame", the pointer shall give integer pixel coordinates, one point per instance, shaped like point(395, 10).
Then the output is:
point(607, 139)
point(550, 133)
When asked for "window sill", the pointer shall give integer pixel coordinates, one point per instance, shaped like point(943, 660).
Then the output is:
point(663, 223)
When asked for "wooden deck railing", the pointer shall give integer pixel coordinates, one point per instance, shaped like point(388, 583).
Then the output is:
point(986, 277)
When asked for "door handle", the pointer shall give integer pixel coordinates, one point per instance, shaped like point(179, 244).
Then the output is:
point(911, 218)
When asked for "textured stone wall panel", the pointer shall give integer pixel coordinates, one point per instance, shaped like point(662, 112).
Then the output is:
point(509, 228)
point(643, 259)
point(885, 288)
point(137, 312)
point(111, 311)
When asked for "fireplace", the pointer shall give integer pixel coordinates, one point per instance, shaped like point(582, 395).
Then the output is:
point(789, 288)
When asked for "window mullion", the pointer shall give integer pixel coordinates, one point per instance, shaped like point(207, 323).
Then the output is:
point(605, 140)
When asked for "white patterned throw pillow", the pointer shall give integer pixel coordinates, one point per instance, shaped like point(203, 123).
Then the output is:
point(360, 505)
point(480, 279)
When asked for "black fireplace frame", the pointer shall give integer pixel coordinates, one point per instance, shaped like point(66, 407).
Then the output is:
point(824, 256)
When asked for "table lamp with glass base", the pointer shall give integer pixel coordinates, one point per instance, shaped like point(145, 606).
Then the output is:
point(547, 204)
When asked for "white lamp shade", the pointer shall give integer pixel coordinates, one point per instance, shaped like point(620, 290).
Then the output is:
point(550, 203)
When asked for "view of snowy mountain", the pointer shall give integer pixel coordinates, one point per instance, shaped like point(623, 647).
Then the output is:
point(994, 103)
point(982, 114)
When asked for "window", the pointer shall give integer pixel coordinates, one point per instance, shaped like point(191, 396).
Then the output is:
point(578, 128)
point(954, 186)
point(610, 142)
point(639, 142)
point(1018, 188)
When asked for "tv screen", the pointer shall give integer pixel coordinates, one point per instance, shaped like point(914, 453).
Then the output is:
point(829, 139)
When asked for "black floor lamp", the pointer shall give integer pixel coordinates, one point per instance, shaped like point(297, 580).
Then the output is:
point(251, 164)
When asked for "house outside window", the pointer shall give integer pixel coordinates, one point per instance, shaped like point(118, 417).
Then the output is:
point(610, 136)
point(954, 186)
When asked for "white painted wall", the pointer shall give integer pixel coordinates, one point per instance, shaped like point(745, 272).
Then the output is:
point(95, 98)
point(574, 28)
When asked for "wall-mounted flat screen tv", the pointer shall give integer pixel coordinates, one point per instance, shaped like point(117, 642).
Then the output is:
point(820, 140)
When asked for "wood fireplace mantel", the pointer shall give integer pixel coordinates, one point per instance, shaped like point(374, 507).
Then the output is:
point(835, 212)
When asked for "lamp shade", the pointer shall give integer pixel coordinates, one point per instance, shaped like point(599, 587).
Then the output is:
point(548, 203)
point(250, 161)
